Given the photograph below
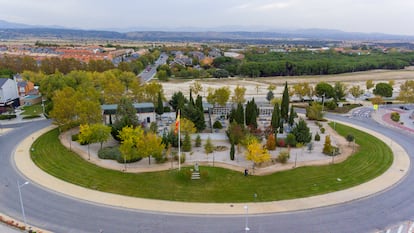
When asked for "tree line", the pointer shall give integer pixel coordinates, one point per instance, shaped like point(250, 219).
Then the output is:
point(10, 65)
point(308, 63)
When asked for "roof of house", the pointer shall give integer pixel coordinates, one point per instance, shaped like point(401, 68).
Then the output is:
point(22, 84)
point(3, 81)
point(140, 107)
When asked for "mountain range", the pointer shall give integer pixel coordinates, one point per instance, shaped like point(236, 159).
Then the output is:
point(10, 30)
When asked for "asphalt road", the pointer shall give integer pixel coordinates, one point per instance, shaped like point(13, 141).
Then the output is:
point(59, 213)
point(147, 75)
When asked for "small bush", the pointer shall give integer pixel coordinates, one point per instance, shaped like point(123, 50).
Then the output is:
point(331, 105)
point(283, 156)
point(112, 153)
point(317, 137)
point(31, 116)
point(395, 116)
point(182, 158)
point(167, 109)
point(291, 140)
point(281, 142)
point(7, 117)
point(322, 129)
point(217, 125)
point(198, 141)
point(161, 159)
point(75, 137)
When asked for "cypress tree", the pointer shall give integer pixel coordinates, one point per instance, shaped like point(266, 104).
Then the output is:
point(191, 98)
point(275, 122)
point(284, 108)
point(160, 105)
point(292, 116)
point(232, 151)
point(239, 114)
point(251, 113)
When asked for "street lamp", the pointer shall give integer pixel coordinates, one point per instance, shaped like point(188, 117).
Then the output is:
point(323, 101)
point(246, 227)
point(19, 186)
point(43, 106)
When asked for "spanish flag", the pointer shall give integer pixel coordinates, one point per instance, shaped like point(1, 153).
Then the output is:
point(177, 123)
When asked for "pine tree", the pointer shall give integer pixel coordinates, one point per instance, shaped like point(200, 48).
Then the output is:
point(187, 143)
point(199, 103)
point(239, 114)
point(302, 132)
point(160, 105)
point(198, 141)
point(284, 109)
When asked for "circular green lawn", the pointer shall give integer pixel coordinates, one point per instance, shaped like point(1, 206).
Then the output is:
point(217, 184)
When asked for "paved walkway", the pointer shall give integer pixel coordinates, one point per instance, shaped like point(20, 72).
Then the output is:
point(220, 158)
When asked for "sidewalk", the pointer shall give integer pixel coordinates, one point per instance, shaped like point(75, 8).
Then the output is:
point(397, 171)
point(383, 116)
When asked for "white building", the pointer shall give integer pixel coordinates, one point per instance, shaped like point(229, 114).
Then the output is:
point(9, 95)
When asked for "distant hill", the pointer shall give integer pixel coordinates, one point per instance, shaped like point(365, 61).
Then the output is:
point(11, 30)
point(6, 24)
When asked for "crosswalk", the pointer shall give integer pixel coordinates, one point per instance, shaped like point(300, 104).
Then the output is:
point(362, 113)
point(405, 227)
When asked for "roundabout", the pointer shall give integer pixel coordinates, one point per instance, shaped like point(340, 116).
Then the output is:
point(209, 216)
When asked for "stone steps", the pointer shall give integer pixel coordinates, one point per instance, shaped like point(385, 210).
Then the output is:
point(195, 175)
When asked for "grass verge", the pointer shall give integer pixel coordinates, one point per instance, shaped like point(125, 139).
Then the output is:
point(217, 184)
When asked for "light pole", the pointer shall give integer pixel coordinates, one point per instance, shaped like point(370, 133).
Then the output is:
point(43, 106)
point(323, 101)
point(246, 227)
point(19, 186)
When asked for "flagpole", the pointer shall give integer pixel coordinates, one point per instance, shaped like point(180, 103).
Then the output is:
point(179, 147)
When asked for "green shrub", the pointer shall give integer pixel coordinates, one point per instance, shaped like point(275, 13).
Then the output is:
point(217, 125)
point(317, 137)
point(322, 129)
point(31, 116)
point(167, 109)
point(395, 116)
point(7, 117)
point(161, 159)
point(182, 159)
point(198, 141)
point(112, 153)
point(331, 105)
point(75, 137)
point(283, 156)
point(291, 139)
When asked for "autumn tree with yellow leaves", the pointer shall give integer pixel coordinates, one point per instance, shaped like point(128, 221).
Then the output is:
point(256, 153)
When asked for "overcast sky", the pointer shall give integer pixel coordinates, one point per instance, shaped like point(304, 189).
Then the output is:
point(385, 16)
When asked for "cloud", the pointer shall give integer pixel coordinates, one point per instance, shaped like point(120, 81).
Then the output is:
point(272, 6)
